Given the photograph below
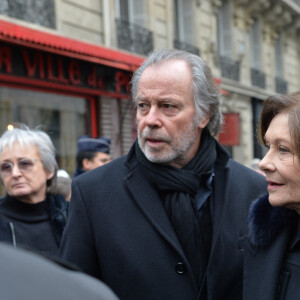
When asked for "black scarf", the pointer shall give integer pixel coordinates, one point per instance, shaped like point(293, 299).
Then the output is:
point(178, 188)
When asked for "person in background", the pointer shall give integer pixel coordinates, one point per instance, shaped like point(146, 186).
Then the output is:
point(64, 182)
point(27, 276)
point(91, 153)
point(272, 257)
point(33, 216)
point(163, 222)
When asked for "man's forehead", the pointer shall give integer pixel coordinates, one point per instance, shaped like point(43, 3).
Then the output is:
point(180, 63)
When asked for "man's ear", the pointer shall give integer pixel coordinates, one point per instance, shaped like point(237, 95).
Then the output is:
point(86, 164)
point(203, 122)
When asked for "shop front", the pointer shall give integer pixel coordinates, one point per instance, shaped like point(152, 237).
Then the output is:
point(66, 87)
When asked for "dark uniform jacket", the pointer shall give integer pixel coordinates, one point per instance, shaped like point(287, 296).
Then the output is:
point(119, 232)
point(272, 253)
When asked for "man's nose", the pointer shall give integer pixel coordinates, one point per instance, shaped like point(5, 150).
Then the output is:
point(153, 118)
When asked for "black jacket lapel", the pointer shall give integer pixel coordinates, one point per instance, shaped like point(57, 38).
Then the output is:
point(148, 200)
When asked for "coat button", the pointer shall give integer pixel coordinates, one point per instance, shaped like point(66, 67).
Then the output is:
point(180, 268)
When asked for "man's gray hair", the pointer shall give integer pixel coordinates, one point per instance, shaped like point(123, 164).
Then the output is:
point(206, 91)
point(33, 137)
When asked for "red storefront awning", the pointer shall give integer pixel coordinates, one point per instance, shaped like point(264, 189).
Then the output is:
point(43, 40)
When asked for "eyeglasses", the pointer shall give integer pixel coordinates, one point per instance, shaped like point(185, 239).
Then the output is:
point(25, 165)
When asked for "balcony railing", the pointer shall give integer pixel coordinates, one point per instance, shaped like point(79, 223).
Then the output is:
point(281, 85)
point(258, 78)
point(133, 37)
point(229, 68)
point(186, 47)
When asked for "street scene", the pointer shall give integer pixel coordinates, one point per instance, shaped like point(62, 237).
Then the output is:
point(150, 149)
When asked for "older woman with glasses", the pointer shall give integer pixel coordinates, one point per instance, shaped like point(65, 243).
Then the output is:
point(32, 215)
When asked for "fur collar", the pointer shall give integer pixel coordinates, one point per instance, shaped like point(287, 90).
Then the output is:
point(266, 221)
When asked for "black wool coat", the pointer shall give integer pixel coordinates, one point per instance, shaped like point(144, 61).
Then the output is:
point(265, 275)
point(119, 232)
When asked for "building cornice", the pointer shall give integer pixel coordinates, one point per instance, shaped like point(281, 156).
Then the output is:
point(232, 86)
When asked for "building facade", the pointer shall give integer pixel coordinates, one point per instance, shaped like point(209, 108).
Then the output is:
point(66, 64)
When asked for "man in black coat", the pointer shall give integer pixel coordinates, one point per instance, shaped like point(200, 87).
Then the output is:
point(166, 221)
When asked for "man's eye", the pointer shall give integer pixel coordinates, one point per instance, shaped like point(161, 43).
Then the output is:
point(142, 105)
point(169, 106)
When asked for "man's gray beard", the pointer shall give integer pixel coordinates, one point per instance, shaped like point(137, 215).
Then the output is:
point(176, 154)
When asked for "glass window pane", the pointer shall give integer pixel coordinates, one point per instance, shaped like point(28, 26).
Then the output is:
point(64, 118)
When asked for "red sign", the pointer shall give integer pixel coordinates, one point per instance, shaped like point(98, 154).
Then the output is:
point(41, 66)
point(230, 133)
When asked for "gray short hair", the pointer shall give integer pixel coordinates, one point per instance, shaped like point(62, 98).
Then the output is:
point(206, 91)
point(33, 137)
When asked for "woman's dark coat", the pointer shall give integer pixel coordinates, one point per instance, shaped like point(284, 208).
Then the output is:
point(270, 231)
point(119, 232)
point(57, 209)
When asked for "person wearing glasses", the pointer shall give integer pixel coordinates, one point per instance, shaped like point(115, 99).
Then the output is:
point(32, 214)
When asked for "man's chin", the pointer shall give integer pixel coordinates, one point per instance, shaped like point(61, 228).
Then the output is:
point(157, 158)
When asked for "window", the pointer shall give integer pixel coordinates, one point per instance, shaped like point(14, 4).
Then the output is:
point(257, 76)
point(183, 16)
point(131, 20)
point(278, 58)
point(64, 118)
point(255, 45)
point(280, 83)
point(184, 26)
point(224, 30)
point(229, 67)
point(133, 11)
point(40, 12)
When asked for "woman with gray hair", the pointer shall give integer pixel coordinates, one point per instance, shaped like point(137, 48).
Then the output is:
point(33, 216)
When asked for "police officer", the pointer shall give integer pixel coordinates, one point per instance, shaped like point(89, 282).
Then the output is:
point(91, 153)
